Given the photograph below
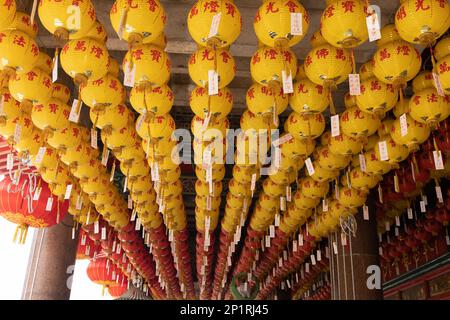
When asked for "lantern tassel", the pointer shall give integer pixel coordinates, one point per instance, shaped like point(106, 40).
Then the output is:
point(330, 99)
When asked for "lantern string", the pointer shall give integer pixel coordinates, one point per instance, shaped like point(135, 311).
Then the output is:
point(351, 266)
point(338, 269)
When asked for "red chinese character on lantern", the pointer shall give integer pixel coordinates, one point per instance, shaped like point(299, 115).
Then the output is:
point(31, 75)
point(34, 49)
point(270, 8)
point(231, 9)
point(53, 107)
point(19, 40)
point(340, 54)
point(257, 17)
point(75, 132)
point(384, 54)
point(37, 138)
point(114, 85)
point(329, 12)
point(308, 60)
point(91, 13)
point(27, 122)
point(401, 14)
point(420, 5)
point(2, 35)
point(345, 117)
point(270, 54)
point(80, 46)
point(442, 3)
point(403, 49)
point(251, 93)
point(225, 57)
point(193, 12)
point(358, 115)
point(8, 3)
point(301, 88)
point(292, 6)
point(432, 98)
point(416, 100)
point(348, 6)
point(38, 107)
point(362, 89)
point(322, 53)
point(287, 56)
point(97, 51)
point(156, 55)
point(152, 5)
point(206, 55)
point(97, 82)
point(375, 86)
point(444, 67)
point(137, 54)
point(212, 6)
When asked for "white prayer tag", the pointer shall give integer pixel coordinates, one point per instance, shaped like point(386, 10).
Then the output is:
point(319, 255)
point(309, 166)
point(300, 240)
point(397, 221)
point(96, 227)
point(94, 136)
point(380, 251)
point(343, 239)
point(373, 27)
point(213, 83)
point(55, 69)
point(439, 194)
point(40, 155)
point(2, 105)
point(215, 25)
point(74, 115)
point(354, 84)
point(206, 121)
point(277, 220)
point(287, 82)
point(73, 233)
point(17, 133)
point(130, 202)
point(286, 138)
point(438, 84)
point(267, 241)
point(410, 213)
point(294, 246)
point(9, 161)
point(366, 212)
point(403, 125)
point(280, 262)
point(207, 157)
point(422, 206)
point(138, 224)
point(272, 231)
point(382, 147)
point(68, 191)
point(307, 267)
point(396, 232)
point(438, 162)
point(288, 193)
point(282, 203)
point(133, 215)
point(104, 233)
point(49, 204)
point(387, 226)
point(129, 75)
point(296, 24)
point(253, 183)
point(155, 171)
point(335, 129)
point(362, 162)
point(325, 205)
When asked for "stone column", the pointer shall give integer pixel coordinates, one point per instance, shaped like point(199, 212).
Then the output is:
point(363, 253)
point(51, 263)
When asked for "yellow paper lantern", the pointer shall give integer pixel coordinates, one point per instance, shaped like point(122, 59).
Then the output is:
point(218, 106)
point(363, 181)
point(343, 23)
point(216, 129)
point(330, 161)
point(202, 188)
point(52, 115)
point(34, 86)
point(67, 137)
point(304, 203)
point(366, 70)
point(11, 110)
point(263, 100)
point(118, 138)
point(103, 92)
point(60, 92)
point(268, 64)
point(22, 22)
point(423, 81)
point(113, 117)
point(156, 101)
point(85, 59)
point(296, 148)
point(322, 174)
point(422, 22)
point(344, 145)
point(428, 107)
point(309, 97)
point(18, 52)
point(67, 19)
point(200, 19)
point(416, 133)
point(205, 59)
point(401, 107)
point(156, 128)
point(357, 123)
point(376, 96)
point(352, 198)
point(313, 189)
point(7, 14)
point(349, 100)
point(144, 20)
point(374, 165)
point(273, 22)
point(442, 69)
point(302, 126)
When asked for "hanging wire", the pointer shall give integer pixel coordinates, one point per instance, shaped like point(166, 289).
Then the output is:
point(338, 268)
point(351, 267)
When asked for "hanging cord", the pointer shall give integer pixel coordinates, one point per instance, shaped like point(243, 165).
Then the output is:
point(338, 268)
point(330, 247)
point(351, 266)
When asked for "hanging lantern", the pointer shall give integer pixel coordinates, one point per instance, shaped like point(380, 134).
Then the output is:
point(101, 271)
point(428, 107)
point(374, 166)
point(384, 130)
point(220, 127)
point(85, 59)
point(103, 92)
point(330, 161)
point(344, 145)
point(22, 22)
point(304, 203)
point(396, 62)
point(118, 138)
point(7, 14)
point(314, 189)
point(152, 65)
point(302, 126)
point(363, 181)
point(26, 127)
point(11, 110)
point(156, 101)
point(423, 81)
point(351, 198)
point(296, 148)
point(416, 133)
point(366, 71)
point(97, 32)
point(218, 106)
point(273, 23)
point(113, 117)
point(265, 100)
point(60, 92)
point(357, 123)
point(401, 107)
point(34, 86)
point(309, 97)
point(268, 65)
point(67, 19)
point(343, 23)
point(422, 22)
point(157, 128)
point(52, 115)
point(376, 96)
point(139, 21)
point(322, 174)
point(19, 208)
point(200, 20)
point(28, 145)
point(18, 52)
point(205, 59)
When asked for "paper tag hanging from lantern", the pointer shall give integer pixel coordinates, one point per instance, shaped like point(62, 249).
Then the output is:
point(133, 215)
point(288, 87)
point(282, 203)
point(438, 84)
point(335, 129)
point(354, 84)
point(373, 27)
point(213, 82)
point(267, 241)
point(294, 246)
point(9, 161)
point(96, 227)
point(300, 240)
point(296, 23)
point(94, 138)
point(129, 75)
point(343, 239)
point(410, 213)
point(103, 236)
point(105, 156)
point(68, 192)
point(422, 206)
point(55, 69)
point(319, 255)
point(403, 125)
point(366, 212)
point(397, 221)
point(17, 133)
point(75, 112)
point(48, 207)
point(277, 220)
point(272, 231)
point(253, 184)
point(214, 29)
point(288, 193)
point(2, 105)
point(309, 166)
point(382, 147)
point(325, 205)
point(438, 162)
point(362, 162)
point(439, 194)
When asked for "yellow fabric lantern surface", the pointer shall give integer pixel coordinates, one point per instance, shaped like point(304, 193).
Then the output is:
point(60, 92)
point(366, 70)
point(18, 51)
point(273, 23)
point(351, 198)
point(357, 123)
point(376, 96)
point(7, 14)
point(423, 81)
point(428, 107)
point(152, 65)
point(295, 148)
point(330, 161)
point(22, 22)
point(52, 115)
point(424, 21)
point(34, 86)
point(144, 20)
point(157, 101)
point(200, 20)
point(264, 100)
point(343, 23)
point(396, 152)
point(314, 189)
point(309, 97)
point(443, 70)
point(268, 64)
point(205, 59)
point(85, 59)
point(114, 117)
point(363, 181)
point(156, 128)
point(218, 106)
point(67, 137)
point(302, 126)
point(104, 92)
point(416, 133)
